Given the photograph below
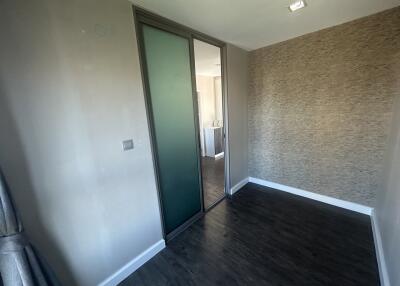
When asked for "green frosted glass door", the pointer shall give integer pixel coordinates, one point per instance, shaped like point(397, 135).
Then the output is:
point(170, 98)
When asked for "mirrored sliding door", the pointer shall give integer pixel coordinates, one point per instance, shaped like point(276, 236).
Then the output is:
point(208, 66)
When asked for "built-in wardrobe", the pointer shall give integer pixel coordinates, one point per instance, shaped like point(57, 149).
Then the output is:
point(167, 62)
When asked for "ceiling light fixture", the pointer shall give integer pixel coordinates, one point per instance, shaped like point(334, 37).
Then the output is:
point(297, 5)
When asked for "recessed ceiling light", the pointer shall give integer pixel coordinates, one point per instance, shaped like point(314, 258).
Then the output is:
point(297, 5)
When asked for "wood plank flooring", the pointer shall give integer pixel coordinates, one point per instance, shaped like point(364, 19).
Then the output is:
point(267, 237)
point(213, 180)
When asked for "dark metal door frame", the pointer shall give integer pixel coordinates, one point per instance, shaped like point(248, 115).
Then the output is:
point(141, 17)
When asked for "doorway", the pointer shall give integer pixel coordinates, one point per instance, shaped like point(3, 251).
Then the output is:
point(209, 85)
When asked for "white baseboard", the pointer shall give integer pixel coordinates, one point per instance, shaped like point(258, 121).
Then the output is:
point(238, 186)
point(219, 156)
point(134, 264)
point(383, 272)
point(317, 197)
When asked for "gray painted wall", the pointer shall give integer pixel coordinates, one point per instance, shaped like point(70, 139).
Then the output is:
point(70, 92)
point(388, 201)
point(320, 106)
point(237, 86)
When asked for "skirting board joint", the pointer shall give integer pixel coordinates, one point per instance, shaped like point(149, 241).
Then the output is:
point(383, 272)
point(238, 186)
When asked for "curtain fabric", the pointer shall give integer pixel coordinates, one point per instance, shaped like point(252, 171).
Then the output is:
point(19, 265)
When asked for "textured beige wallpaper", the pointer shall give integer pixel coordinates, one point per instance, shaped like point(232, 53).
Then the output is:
point(320, 107)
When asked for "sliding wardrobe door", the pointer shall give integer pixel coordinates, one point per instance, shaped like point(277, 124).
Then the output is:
point(167, 66)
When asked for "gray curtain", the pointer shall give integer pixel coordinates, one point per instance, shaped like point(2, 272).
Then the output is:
point(19, 265)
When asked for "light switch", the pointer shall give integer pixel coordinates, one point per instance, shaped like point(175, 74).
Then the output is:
point(128, 145)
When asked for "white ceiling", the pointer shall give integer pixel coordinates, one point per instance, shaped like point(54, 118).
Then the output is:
point(253, 24)
point(207, 59)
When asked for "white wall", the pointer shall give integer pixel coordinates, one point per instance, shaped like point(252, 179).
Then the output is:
point(218, 100)
point(209, 103)
point(237, 81)
point(206, 106)
point(206, 88)
point(70, 92)
point(388, 202)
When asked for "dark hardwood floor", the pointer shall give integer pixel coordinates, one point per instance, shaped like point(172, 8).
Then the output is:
point(267, 237)
point(213, 180)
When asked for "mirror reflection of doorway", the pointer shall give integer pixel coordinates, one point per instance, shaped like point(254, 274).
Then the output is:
point(211, 120)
